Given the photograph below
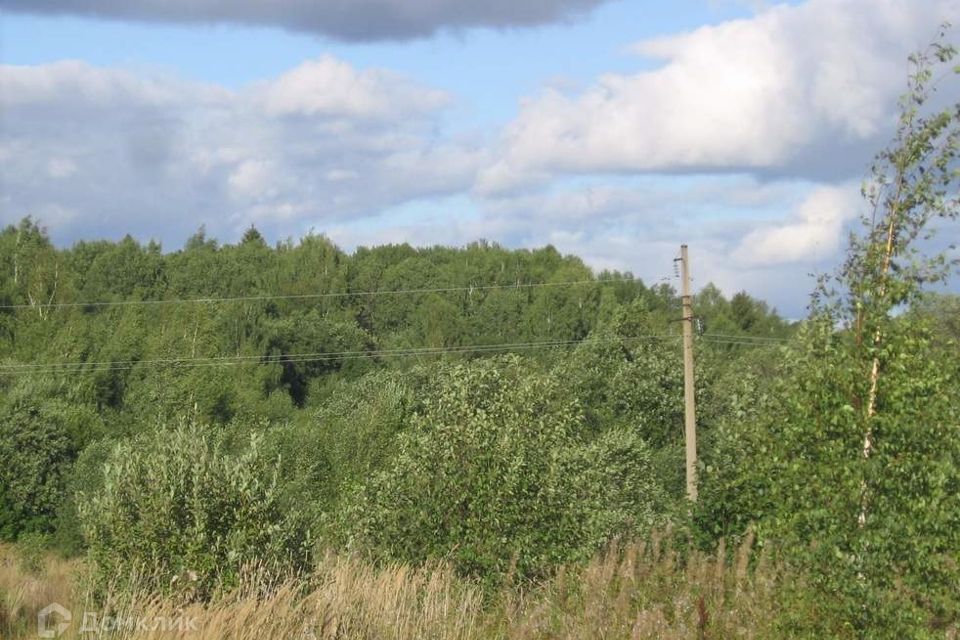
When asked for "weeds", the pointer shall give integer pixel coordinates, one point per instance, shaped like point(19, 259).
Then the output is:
point(633, 590)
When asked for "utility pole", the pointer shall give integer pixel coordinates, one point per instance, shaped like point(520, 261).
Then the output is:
point(689, 409)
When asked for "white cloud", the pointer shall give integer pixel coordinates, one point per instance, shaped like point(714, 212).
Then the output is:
point(803, 90)
point(162, 155)
point(59, 167)
point(340, 175)
point(813, 233)
point(657, 202)
point(594, 203)
point(89, 87)
point(333, 88)
point(253, 179)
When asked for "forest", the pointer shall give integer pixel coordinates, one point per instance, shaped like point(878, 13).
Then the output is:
point(291, 440)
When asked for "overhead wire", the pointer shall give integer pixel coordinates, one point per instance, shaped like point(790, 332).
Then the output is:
point(260, 359)
point(316, 296)
point(745, 343)
point(204, 361)
point(723, 336)
point(85, 367)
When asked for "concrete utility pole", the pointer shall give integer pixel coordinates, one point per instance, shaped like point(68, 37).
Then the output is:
point(690, 411)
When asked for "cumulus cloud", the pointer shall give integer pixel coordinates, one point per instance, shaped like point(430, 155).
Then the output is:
point(593, 203)
point(795, 90)
point(333, 88)
point(654, 200)
point(813, 233)
point(356, 20)
point(120, 149)
point(763, 236)
point(89, 87)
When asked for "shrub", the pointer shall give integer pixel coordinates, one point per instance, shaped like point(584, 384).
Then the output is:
point(37, 450)
point(177, 509)
point(496, 474)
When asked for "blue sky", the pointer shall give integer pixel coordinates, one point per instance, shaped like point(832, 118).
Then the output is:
point(614, 130)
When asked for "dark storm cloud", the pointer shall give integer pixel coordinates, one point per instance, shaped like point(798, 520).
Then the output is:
point(342, 19)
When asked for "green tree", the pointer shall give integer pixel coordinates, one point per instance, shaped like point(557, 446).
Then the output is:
point(942, 313)
point(38, 275)
point(327, 452)
point(865, 446)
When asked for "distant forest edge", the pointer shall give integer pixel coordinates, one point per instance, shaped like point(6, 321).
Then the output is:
point(75, 310)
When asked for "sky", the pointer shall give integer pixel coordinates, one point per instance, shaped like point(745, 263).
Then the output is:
point(615, 130)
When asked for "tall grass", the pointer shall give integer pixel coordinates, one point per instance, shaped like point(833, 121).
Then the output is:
point(635, 590)
point(27, 584)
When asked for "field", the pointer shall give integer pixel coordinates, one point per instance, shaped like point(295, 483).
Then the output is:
point(631, 591)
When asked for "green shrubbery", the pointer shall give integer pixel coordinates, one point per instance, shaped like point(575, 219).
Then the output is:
point(347, 438)
point(40, 437)
point(498, 475)
point(177, 510)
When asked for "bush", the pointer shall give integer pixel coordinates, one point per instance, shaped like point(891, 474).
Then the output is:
point(176, 509)
point(86, 477)
point(37, 449)
point(496, 474)
point(343, 442)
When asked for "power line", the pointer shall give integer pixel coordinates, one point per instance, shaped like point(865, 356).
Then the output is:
point(239, 359)
point(744, 343)
point(214, 362)
point(745, 338)
point(282, 357)
point(85, 367)
point(189, 362)
point(314, 296)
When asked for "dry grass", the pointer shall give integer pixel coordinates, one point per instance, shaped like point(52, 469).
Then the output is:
point(639, 590)
point(25, 589)
point(644, 590)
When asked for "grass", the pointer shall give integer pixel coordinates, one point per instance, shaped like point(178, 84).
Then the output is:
point(636, 590)
point(27, 584)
